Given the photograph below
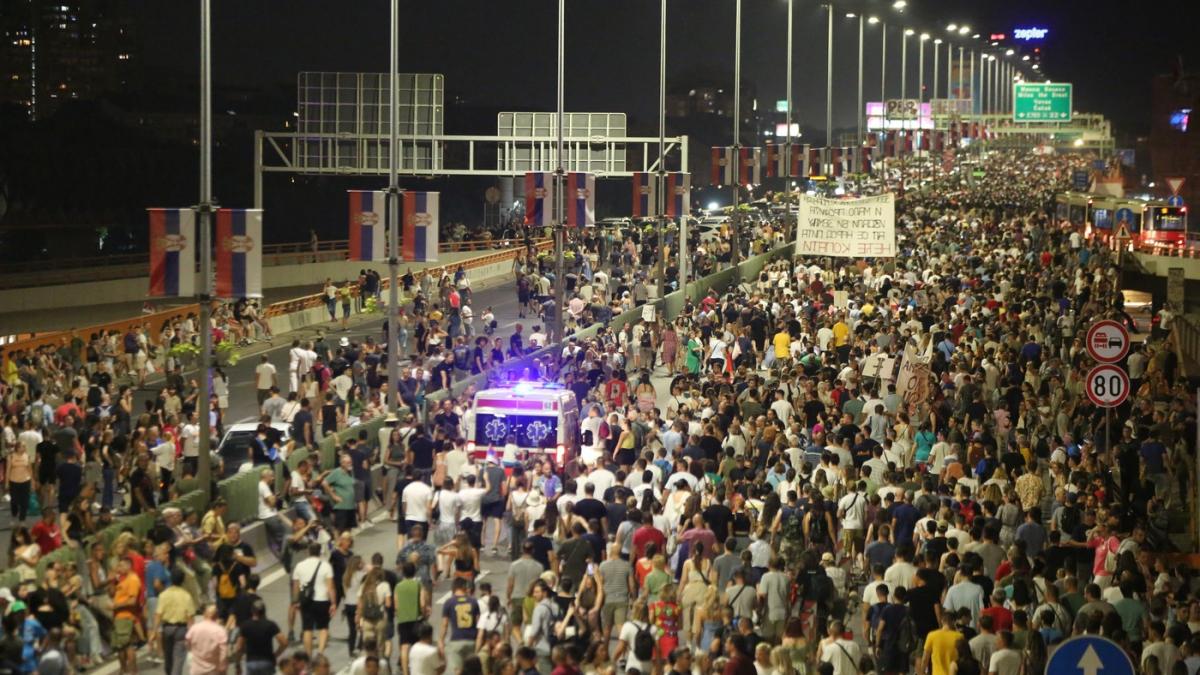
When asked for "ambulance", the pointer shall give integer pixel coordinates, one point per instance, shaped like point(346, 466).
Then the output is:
point(543, 418)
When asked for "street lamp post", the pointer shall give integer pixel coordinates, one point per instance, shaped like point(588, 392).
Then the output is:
point(859, 112)
point(661, 189)
point(921, 68)
point(883, 64)
point(205, 208)
point(735, 238)
point(393, 214)
point(935, 67)
point(904, 62)
point(560, 197)
point(829, 80)
point(787, 125)
point(971, 82)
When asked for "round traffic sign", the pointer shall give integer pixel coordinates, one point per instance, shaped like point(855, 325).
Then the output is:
point(1124, 215)
point(1107, 385)
point(1089, 655)
point(1107, 341)
point(1174, 200)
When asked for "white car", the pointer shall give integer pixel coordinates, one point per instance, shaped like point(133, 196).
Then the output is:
point(235, 448)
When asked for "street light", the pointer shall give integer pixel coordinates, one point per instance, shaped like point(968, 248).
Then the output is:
point(904, 62)
point(828, 80)
point(921, 70)
point(952, 27)
point(859, 112)
point(964, 30)
point(1009, 53)
point(873, 20)
point(936, 42)
point(899, 5)
point(1025, 57)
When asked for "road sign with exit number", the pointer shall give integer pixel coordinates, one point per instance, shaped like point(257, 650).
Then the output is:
point(1042, 102)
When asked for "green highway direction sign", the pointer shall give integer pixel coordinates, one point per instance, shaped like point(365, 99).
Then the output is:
point(1041, 102)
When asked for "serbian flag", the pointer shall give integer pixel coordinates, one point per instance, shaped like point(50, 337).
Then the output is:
point(777, 163)
point(749, 166)
point(800, 161)
point(867, 159)
point(815, 161)
point(908, 142)
point(679, 194)
point(889, 144)
point(924, 144)
point(368, 225)
point(539, 198)
point(850, 160)
point(239, 253)
point(581, 199)
point(172, 253)
point(835, 159)
point(722, 166)
point(644, 192)
point(419, 229)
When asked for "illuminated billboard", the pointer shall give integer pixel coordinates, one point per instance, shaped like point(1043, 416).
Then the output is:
point(1030, 34)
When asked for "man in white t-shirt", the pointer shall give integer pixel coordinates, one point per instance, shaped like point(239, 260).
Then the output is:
point(342, 384)
point(842, 653)
point(602, 479)
point(296, 358)
point(313, 577)
point(471, 509)
point(852, 510)
point(416, 503)
point(455, 460)
point(264, 379)
point(423, 657)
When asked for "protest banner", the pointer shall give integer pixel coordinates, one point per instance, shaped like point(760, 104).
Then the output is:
point(847, 228)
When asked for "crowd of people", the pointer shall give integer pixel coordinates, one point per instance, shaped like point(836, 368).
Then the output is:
point(839, 466)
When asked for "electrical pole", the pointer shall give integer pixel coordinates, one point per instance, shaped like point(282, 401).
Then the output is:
point(661, 191)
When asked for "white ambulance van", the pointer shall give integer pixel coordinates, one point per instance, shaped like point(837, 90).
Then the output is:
point(543, 419)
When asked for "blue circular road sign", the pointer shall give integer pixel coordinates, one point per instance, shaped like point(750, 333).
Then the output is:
point(1089, 655)
point(1174, 200)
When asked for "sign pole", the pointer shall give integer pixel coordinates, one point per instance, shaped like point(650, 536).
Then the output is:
point(735, 237)
point(393, 220)
point(560, 202)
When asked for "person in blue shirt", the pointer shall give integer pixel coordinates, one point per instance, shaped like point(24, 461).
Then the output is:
point(33, 635)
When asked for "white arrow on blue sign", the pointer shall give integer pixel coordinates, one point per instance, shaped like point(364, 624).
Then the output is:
point(1089, 655)
point(1174, 200)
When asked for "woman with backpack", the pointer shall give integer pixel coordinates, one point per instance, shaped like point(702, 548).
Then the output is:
point(372, 616)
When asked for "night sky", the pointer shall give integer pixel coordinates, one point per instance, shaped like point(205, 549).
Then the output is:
point(503, 53)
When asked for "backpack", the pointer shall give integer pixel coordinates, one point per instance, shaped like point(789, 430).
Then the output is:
point(906, 639)
point(643, 644)
point(372, 610)
point(818, 529)
point(226, 589)
point(37, 415)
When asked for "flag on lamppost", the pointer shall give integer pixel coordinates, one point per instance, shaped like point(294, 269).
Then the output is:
point(645, 188)
point(419, 228)
point(239, 253)
point(679, 189)
point(172, 253)
point(368, 225)
point(581, 199)
point(723, 166)
point(539, 198)
point(749, 166)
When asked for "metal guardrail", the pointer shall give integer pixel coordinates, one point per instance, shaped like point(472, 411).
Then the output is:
point(36, 273)
point(152, 322)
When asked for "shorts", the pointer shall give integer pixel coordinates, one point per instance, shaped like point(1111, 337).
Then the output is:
point(516, 612)
point(613, 614)
point(407, 630)
point(314, 616)
point(852, 538)
point(405, 527)
point(493, 510)
point(375, 630)
point(345, 519)
point(122, 635)
point(361, 493)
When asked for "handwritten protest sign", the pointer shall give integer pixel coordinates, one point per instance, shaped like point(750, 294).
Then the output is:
point(847, 228)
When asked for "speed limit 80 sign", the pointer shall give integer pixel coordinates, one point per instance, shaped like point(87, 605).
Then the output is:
point(1107, 386)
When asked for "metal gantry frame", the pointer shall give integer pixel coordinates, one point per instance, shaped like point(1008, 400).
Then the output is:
point(273, 154)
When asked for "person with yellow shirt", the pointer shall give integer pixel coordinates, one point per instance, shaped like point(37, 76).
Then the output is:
point(781, 344)
point(941, 646)
point(841, 338)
